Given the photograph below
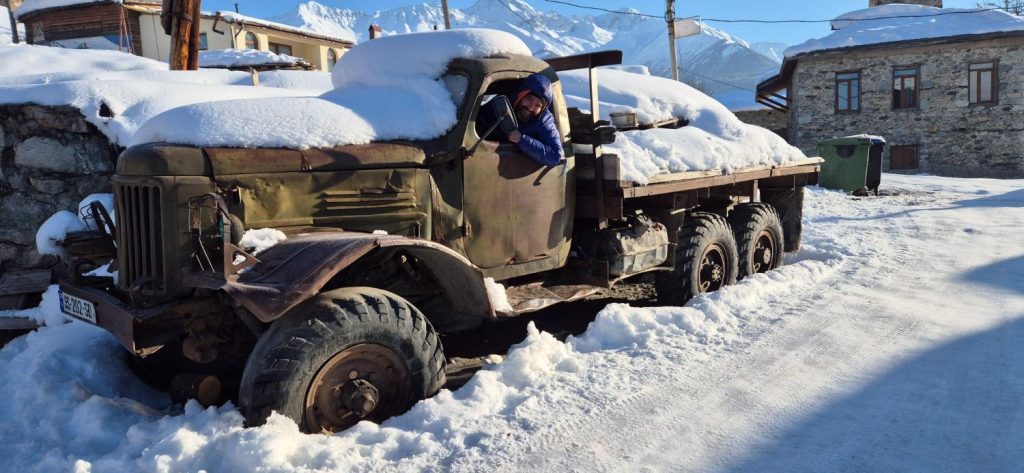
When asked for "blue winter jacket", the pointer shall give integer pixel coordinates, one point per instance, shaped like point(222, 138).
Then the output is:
point(541, 140)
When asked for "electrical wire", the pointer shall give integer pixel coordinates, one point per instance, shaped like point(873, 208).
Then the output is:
point(728, 20)
point(535, 26)
point(605, 9)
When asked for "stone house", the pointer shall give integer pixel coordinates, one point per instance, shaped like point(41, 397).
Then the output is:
point(134, 26)
point(947, 92)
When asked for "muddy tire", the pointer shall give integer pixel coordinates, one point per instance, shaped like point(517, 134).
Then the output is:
point(347, 355)
point(759, 238)
point(706, 260)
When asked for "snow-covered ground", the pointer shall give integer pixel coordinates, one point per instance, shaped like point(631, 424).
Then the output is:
point(890, 342)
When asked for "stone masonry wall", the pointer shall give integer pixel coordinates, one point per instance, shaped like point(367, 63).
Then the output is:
point(767, 118)
point(50, 159)
point(954, 137)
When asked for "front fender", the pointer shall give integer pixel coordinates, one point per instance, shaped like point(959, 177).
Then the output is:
point(299, 267)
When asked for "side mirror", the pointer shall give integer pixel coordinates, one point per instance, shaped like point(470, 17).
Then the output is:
point(506, 117)
point(500, 108)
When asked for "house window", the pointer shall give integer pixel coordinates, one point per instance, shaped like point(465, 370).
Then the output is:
point(847, 92)
point(983, 84)
point(203, 45)
point(251, 42)
point(332, 59)
point(904, 87)
point(903, 157)
point(280, 49)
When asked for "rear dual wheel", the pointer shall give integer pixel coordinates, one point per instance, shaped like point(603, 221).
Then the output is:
point(706, 260)
point(759, 238)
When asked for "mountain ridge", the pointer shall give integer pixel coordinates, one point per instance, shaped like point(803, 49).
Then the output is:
point(725, 62)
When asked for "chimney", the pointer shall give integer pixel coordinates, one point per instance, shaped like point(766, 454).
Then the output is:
point(375, 31)
point(927, 3)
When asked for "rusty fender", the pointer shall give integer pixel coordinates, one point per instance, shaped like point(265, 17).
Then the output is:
point(296, 269)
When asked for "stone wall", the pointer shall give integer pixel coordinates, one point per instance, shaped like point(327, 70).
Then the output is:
point(50, 159)
point(767, 118)
point(954, 137)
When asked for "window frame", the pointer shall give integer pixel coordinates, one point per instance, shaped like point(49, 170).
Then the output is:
point(917, 86)
point(849, 89)
point(995, 83)
point(275, 48)
point(331, 62)
point(255, 40)
point(204, 42)
point(917, 157)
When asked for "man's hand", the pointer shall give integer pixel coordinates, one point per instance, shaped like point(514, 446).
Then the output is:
point(515, 136)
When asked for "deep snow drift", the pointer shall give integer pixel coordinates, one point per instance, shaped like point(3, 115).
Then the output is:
point(134, 89)
point(875, 348)
point(714, 139)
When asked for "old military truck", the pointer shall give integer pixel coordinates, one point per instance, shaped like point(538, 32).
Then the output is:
point(340, 322)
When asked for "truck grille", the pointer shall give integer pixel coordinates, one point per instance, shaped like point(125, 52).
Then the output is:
point(139, 236)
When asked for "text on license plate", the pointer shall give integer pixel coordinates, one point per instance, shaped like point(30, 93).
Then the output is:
point(77, 308)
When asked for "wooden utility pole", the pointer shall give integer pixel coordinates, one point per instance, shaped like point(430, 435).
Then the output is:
point(11, 5)
point(447, 20)
point(182, 23)
point(670, 19)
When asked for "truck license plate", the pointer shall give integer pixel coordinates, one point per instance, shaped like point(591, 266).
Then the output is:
point(77, 308)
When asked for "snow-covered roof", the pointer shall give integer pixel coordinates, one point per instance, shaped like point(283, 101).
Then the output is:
point(900, 23)
point(232, 17)
point(232, 58)
point(31, 6)
point(398, 98)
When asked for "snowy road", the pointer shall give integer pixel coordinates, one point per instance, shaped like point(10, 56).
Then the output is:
point(891, 342)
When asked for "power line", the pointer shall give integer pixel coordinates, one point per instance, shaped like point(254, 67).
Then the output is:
point(618, 12)
point(534, 25)
point(929, 15)
point(728, 20)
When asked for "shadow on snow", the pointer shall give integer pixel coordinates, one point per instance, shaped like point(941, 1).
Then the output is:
point(957, 407)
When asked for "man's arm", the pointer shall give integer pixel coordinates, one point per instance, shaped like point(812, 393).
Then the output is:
point(541, 141)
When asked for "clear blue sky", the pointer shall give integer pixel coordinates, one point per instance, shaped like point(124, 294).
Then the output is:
point(728, 9)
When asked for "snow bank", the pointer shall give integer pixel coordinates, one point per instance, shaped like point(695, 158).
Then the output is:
point(246, 58)
point(133, 89)
point(23, 59)
point(714, 140)
point(872, 26)
point(374, 99)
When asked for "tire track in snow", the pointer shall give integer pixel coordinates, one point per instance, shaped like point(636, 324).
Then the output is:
point(609, 442)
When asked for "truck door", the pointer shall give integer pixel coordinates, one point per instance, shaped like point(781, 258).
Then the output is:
point(517, 210)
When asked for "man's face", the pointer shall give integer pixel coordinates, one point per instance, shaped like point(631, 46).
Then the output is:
point(528, 108)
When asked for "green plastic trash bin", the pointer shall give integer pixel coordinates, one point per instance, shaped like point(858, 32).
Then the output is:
point(852, 164)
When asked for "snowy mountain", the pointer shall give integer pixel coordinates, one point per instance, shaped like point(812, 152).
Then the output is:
point(713, 61)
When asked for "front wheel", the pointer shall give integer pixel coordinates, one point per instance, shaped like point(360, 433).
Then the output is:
point(706, 260)
point(344, 356)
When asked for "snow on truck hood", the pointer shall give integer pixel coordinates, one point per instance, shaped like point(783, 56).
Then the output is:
point(386, 89)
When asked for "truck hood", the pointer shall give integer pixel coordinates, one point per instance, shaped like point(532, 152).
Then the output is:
point(161, 159)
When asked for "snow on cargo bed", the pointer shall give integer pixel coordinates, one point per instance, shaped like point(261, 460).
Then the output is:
point(714, 139)
point(118, 92)
point(893, 23)
point(386, 89)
